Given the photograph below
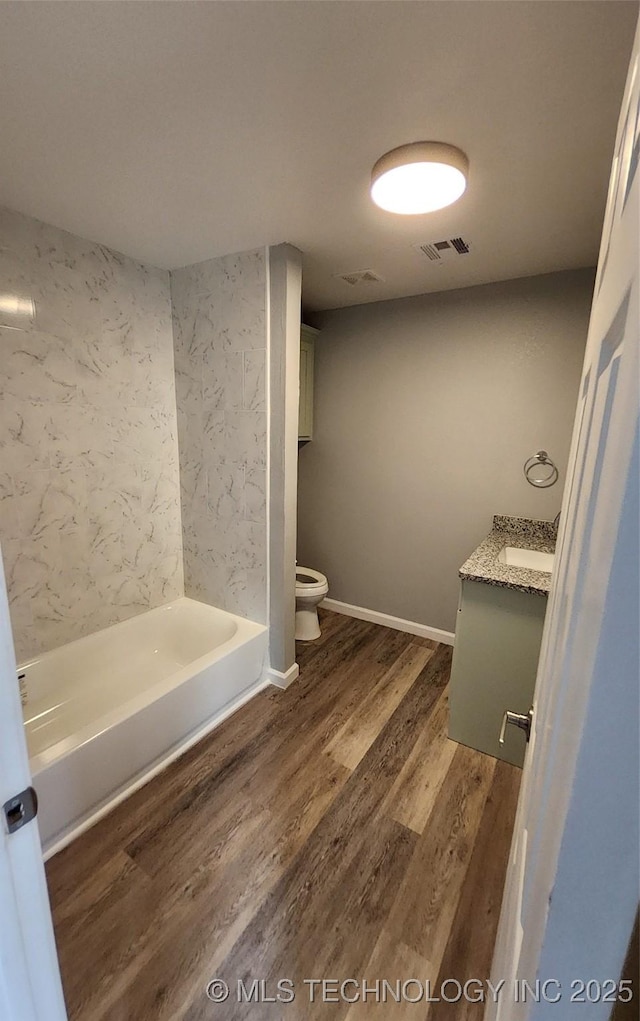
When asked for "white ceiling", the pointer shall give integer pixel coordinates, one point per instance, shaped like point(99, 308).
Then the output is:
point(178, 131)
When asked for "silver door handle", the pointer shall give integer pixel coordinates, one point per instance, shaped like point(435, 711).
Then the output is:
point(518, 720)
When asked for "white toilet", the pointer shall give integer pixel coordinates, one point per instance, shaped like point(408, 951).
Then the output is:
point(311, 588)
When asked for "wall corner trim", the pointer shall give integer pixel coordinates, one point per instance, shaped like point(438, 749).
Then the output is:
point(283, 680)
point(283, 302)
point(412, 627)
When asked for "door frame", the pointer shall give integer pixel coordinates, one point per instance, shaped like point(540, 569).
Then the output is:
point(574, 861)
point(30, 985)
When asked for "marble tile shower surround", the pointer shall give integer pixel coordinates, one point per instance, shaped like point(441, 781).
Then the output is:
point(89, 480)
point(219, 325)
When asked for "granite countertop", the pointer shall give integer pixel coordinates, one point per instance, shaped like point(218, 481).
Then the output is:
point(525, 533)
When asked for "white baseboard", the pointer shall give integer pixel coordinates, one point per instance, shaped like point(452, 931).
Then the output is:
point(397, 623)
point(96, 814)
point(283, 680)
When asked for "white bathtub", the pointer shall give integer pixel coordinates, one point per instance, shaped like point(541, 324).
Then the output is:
point(107, 712)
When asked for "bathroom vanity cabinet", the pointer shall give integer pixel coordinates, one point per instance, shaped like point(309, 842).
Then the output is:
point(305, 407)
point(495, 662)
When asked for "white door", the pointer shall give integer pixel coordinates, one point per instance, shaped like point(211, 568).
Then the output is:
point(30, 988)
point(572, 885)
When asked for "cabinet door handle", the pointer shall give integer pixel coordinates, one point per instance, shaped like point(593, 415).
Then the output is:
point(518, 720)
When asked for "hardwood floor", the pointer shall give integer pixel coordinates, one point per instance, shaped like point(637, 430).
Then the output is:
point(328, 831)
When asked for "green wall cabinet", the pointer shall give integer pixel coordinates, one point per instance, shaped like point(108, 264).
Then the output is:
point(305, 406)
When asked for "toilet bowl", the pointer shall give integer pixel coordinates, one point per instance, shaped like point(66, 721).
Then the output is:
point(311, 588)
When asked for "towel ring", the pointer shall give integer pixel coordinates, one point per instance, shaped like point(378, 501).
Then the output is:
point(540, 471)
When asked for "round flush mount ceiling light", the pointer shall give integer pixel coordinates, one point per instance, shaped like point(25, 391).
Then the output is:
point(419, 178)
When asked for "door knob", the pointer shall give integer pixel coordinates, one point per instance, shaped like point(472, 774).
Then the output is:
point(518, 720)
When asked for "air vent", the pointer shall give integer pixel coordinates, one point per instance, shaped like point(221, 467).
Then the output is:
point(431, 251)
point(439, 251)
point(460, 246)
point(359, 276)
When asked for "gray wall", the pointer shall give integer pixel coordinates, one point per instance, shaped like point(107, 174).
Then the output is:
point(220, 339)
point(425, 410)
point(89, 488)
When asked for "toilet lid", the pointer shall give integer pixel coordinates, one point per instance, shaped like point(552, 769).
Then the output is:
point(305, 576)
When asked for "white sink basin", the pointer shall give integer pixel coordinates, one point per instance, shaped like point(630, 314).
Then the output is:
point(512, 556)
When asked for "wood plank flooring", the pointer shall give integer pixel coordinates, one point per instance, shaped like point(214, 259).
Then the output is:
point(328, 831)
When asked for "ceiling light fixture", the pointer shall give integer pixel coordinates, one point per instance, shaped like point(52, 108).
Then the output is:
point(419, 178)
